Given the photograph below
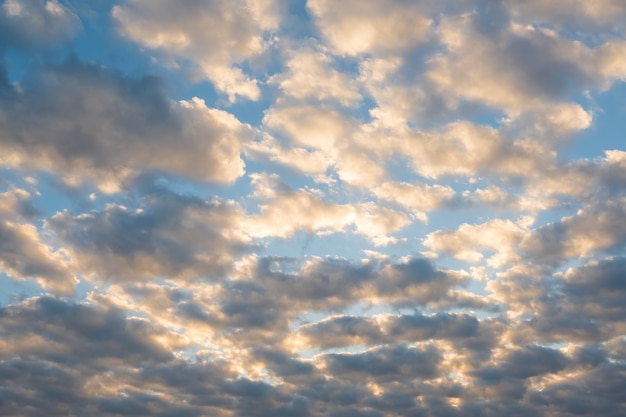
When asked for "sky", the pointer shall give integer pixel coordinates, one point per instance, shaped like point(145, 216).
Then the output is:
point(307, 208)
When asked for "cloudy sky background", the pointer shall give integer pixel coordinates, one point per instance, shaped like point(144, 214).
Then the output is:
point(378, 208)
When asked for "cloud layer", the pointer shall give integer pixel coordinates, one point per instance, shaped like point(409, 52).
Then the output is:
point(312, 208)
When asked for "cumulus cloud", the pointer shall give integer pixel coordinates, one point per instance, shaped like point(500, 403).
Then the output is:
point(468, 242)
point(307, 211)
point(309, 75)
point(566, 14)
point(354, 28)
point(24, 254)
point(87, 121)
point(454, 169)
point(344, 331)
point(26, 24)
point(217, 36)
point(169, 236)
point(418, 198)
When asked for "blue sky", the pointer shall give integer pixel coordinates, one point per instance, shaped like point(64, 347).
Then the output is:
point(378, 208)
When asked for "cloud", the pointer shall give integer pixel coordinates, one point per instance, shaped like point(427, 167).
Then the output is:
point(85, 120)
point(591, 230)
point(307, 211)
point(345, 331)
point(418, 198)
point(26, 24)
point(235, 30)
point(310, 76)
point(457, 164)
point(24, 254)
point(523, 69)
point(301, 159)
point(567, 14)
point(265, 297)
point(381, 363)
point(154, 240)
point(355, 28)
point(70, 333)
point(469, 241)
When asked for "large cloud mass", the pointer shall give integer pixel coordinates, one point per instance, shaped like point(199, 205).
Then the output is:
point(312, 208)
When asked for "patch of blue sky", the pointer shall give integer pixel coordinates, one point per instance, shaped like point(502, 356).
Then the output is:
point(14, 291)
point(13, 178)
point(99, 42)
point(155, 182)
point(16, 65)
point(55, 196)
point(341, 244)
point(247, 111)
point(607, 130)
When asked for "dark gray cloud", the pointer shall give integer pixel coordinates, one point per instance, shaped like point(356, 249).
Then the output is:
point(596, 392)
point(84, 358)
point(26, 24)
point(465, 330)
point(521, 364)
point(168, 236)
point(78, 335)
point(84, 120)
point(386, 363)
point(596, 229)
point(262, 305)
point(584, 305)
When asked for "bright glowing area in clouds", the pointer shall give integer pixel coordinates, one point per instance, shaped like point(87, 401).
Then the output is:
point(312, 208)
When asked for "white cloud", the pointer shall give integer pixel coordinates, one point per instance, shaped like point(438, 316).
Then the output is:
point(353, 27)
point(283, 212)
point(217, 36)
point(418, 198)
point(469, 242)
point(310, 75)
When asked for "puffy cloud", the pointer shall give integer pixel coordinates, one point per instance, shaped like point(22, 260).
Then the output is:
point(462, 148)
point(321, 128)
point(522, 69)
point(264, 298)
point(23, 252)
point(72, 333)
point(217, 36)
point(312, 162)
point(310, 75)
point(169, 236)
point(345, 331)
point(374, 116)
point(590, 231)
point(285, 211)
point(597, 228)
point(418, 198)
point(84, 120)
point(464, 243)
point(27, 24)
point(567, 14)
point(383, 363)
point(92, 359)
point(354, 28)
point(581, 305)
